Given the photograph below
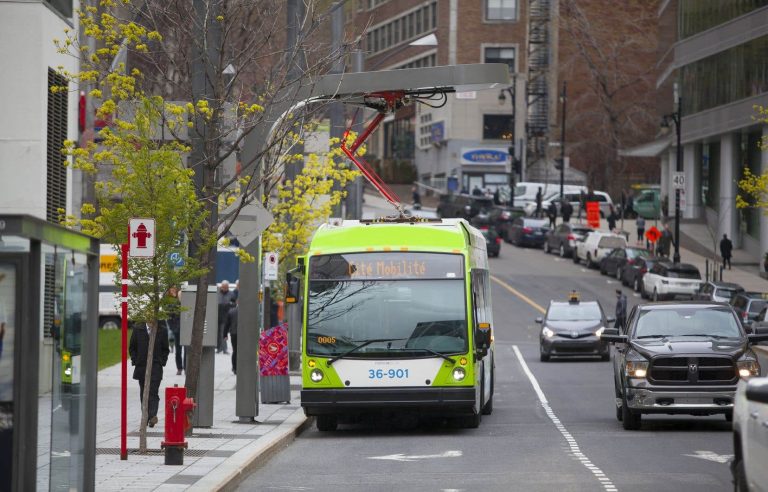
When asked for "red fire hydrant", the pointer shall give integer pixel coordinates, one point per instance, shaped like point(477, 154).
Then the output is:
point(178, 419)
point(142, 234)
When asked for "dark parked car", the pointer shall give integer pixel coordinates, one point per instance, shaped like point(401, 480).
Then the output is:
point(526, 231)
point(680, 358)
point(492, 241)
point(562, 239)
point(718, 291)
point(632, 275)
point(462, 206)
point(614, 263)
point(500, 215)
point(573, 328)
point(748, 305)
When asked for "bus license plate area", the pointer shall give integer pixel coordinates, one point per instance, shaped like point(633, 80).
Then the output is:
point(363, 373)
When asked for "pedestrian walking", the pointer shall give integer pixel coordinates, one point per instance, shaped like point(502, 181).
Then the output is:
point(665, 241)
point(138, 349)
point(582, 203)
point(476, 191)
point(611, 219)
point(726, 248)
point(621, 309)
point(567, 210)
point(640, 224)
point(231, 330)
point(226, 297)
point(552, 214)
point(539, 197)
point(173, 323)
point(416, 197)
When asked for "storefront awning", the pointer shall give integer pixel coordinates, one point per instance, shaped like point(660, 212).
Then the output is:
point(651, 149)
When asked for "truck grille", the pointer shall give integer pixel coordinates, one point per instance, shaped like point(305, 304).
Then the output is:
point(692, 370)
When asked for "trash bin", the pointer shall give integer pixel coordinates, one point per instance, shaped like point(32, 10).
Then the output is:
point(275, 383)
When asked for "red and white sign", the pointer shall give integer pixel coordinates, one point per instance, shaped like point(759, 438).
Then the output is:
point(141, 238)
point(271, 264)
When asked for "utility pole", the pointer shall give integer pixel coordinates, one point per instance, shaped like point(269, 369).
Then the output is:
point(355, 189)
point(562, 142)
point(338, 120)
point(679, 169)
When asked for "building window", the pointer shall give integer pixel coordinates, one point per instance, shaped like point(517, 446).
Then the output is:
point(710, 175)
point(56, 133)
point(63, 7)
point(699, 15)
point(500, 9)
point(408, 26)
point(731, 75)
point(498, 127)
point(501, 55)
point(749, 158)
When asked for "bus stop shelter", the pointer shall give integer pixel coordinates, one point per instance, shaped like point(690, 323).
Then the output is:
point(49, 279)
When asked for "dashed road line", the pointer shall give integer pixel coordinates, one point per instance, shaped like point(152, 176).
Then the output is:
point(575, 450)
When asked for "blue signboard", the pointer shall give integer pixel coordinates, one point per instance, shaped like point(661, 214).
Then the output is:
point(437, 132)
point(484, 156)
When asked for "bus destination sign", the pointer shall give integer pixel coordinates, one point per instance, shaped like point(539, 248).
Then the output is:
point(386, 266)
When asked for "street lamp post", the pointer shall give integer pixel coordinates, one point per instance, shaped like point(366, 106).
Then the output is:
point(562, 144)
point(515, 163)
point(676, 117)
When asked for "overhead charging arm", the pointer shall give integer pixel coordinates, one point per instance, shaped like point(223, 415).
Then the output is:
point(384, 102)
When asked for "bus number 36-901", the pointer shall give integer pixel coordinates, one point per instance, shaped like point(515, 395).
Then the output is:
point(388, 374)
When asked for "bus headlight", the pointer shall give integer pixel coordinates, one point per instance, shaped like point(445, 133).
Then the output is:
point(547, 332)
point(459, 374)
point(748, 368)
point(316, 375)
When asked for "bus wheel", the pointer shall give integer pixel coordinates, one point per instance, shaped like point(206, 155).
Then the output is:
point(326, 423)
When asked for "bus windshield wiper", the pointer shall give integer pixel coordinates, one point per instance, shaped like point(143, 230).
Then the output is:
point(653, 336)
point(361, 345)
point(422, 349)
point(703, 335)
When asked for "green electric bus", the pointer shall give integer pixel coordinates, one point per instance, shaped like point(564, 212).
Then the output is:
point(397, 319)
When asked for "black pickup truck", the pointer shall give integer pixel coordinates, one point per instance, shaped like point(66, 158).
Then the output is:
point(680, 358)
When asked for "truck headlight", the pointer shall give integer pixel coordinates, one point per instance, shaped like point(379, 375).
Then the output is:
point(547, 332)
point(748, 368)
point(636, 369)
point(316, 375)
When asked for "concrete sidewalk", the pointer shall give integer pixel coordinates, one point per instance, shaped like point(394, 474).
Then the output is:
point(216, 458)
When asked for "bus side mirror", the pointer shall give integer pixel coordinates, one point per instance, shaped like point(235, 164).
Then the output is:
point(483, 338)
point(292, 284)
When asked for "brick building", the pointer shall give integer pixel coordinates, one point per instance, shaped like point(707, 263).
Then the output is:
point(470, 135)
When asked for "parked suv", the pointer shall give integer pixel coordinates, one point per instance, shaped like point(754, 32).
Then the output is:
point(748, 305)
point(562, 239)
point(597, 245)
point(632, 275)
point(750, 436)
point(680, 358)
point(718, 291)
point(667, 280)
point(463, 206)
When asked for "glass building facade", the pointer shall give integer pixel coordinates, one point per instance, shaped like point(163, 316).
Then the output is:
point(725, 77)
point(699, 15)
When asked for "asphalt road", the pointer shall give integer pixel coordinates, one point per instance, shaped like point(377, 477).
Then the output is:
point(553, 425)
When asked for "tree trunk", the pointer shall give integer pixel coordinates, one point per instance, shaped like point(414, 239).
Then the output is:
point(147, 383)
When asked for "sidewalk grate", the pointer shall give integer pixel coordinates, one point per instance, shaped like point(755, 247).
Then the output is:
point(195, 453)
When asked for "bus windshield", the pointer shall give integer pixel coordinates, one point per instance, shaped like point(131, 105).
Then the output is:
point(414, 302)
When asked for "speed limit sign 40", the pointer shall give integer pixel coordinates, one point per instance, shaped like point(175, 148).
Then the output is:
point(678, 181)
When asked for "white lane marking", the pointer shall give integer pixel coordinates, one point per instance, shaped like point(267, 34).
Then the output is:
point(402, 457)
point(710, 456)
point(572, 444)
point(609, 282)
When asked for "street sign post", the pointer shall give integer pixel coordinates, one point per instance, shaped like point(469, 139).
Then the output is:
point(678, 181)
point(270, 266)
point(141, 238)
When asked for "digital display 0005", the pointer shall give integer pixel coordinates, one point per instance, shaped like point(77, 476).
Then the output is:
point(391, 266)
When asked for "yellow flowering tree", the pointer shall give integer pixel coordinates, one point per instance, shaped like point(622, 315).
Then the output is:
point(304, 203)
point(220, 71)
point(754, 187)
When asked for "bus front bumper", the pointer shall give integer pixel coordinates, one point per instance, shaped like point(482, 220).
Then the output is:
point(459, 401)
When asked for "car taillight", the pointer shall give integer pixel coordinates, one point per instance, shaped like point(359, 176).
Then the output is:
point(745, 316)
point(643, 270)
point(484, 228)
point(630, 261)
point(527, 230)
point(498, 240)
point(571, 237)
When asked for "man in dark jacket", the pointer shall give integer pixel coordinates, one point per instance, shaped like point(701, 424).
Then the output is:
point(567, 210)
point(552, 214)
point(726, 250)
point(621, 309)
point(225, 298)
point(138, 348)
point(230, 329)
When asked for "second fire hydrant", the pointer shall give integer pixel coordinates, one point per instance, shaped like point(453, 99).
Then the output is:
point(178, 419)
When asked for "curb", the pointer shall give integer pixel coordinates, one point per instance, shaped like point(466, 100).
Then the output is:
point(229, 474)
